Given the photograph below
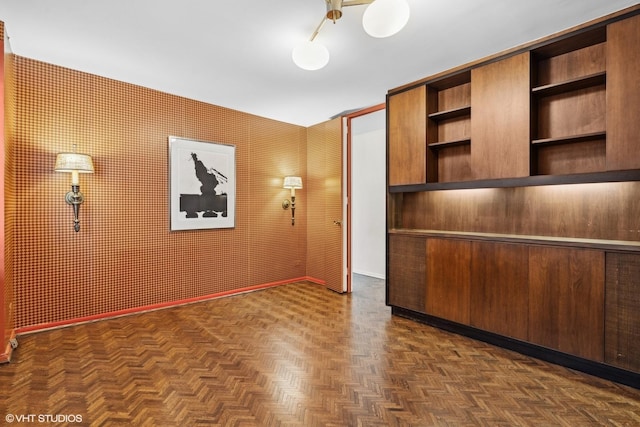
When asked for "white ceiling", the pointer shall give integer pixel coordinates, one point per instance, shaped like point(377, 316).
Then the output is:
point(237, 53)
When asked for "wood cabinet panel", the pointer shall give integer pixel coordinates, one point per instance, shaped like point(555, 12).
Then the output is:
point(407, 132)
point(448, 279)
point(573, 113)
point(500, 120)
point(623, 94)
point(576, 63)
point(499, 290)
point(583, 157)
point(454, 164)
point(622, 311)
point(566, 300)
point(406, 276)
point(454, 97)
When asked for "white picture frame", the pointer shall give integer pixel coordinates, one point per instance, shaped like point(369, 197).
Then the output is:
point(202, 181)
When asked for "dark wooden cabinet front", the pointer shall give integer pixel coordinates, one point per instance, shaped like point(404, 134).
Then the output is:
point(500, 118)
point(623, 94)
point(499, 288)
point(449, 279)
point(406, 273)
point(622, 327)
point(566, 294)
point(407, 128)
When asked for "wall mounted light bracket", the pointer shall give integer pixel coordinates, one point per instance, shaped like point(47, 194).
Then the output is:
point(75, 199)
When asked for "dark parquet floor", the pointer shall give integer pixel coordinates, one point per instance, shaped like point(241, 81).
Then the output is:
point(294, 355)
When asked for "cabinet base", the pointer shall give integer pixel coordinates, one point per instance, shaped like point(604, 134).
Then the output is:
point(601, 370)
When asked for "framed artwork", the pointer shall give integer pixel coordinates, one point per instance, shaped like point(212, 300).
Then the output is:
point(202, 184)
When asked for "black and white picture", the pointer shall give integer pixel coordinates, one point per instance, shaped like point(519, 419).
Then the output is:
point(203, 187)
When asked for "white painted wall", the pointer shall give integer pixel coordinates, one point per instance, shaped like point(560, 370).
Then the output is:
point(368, 182)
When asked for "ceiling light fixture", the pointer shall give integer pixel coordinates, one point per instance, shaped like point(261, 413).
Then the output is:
point(382, 18)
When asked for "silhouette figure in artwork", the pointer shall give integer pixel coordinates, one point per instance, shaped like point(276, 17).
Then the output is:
point(209, 202)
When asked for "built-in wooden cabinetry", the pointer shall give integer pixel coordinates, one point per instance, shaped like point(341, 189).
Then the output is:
point(407, 130)
point(622, 338)
point(500, 120)
point(623, 94)
point(566, 291)
point(513, 207)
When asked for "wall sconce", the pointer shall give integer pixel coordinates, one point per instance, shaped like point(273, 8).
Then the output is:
point(291, 182)
point(75, 163)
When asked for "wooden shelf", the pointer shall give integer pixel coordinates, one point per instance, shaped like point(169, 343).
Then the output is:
point(594, 136)
point(529, 181)
point(571, 85)
point(578, 242)
point(451, 114)
point(446, 144)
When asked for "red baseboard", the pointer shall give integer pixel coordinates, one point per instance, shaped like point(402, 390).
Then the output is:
point(142, 309)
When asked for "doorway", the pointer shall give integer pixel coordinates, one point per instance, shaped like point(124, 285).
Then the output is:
point(366, 193)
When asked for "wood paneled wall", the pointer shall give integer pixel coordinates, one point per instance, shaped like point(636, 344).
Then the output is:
point(608, 211)
point(125, 256)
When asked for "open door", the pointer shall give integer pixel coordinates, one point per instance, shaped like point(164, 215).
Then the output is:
point(325, 204)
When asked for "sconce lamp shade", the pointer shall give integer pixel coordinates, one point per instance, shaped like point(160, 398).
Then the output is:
point(74, 163)
point(384, 18)
point(292, 182)
point(69, 162)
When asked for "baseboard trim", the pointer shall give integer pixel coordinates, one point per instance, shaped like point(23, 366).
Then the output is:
point(601, 370)
point(159, 306)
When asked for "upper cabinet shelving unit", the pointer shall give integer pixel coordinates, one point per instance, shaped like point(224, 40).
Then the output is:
point(561, 110)
point(569, 109)
point(449, 128)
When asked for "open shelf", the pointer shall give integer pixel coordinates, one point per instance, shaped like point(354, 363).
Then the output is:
point(451, 114)
point(571, 84)
point(446, 144)
point(593, 136)
point(449, 128)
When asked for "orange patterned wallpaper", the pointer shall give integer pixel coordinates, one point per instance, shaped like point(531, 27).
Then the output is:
point(124, 255)
point(7, 306)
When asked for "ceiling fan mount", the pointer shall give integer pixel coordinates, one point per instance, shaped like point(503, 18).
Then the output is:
point(334, 7)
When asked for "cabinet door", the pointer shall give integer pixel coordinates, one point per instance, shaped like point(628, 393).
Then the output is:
point(566, 300)
point(622, 311)
point(407, 121)
point(500, 119)
point(499, 290)
point(623, 94)
point(448, 279)
point(406, 275)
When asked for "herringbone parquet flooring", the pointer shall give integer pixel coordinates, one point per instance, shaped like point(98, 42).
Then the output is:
point(295, 355)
